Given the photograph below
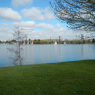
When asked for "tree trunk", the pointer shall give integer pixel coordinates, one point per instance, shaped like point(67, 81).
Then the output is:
point(19, 56)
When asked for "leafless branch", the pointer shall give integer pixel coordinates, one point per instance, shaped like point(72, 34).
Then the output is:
point(78, 14)
point(18, 36)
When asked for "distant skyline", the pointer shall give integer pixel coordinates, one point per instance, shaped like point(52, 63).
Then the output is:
point(35, 17)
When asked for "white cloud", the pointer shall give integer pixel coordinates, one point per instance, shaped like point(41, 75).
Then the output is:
point(48, 14)
point(5, 32)
point(55, 33)
point(3, 29)
point(25, 24)
point(33, 13)
point(17, 3)
point(32, 25)
point(58, 25)
point(38, 14)
point(28, 25)
point(4, 24)
point(7, 14)
point(45, 26)
point(29, 28)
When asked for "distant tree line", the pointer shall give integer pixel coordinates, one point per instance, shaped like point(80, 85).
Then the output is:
point(80, 41)
point(88, 41)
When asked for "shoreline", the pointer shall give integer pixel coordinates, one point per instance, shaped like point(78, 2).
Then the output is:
point(49, 63)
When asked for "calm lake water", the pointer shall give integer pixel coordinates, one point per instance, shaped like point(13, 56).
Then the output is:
point(40, 54)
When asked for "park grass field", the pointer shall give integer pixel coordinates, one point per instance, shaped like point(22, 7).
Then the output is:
point(65, 78)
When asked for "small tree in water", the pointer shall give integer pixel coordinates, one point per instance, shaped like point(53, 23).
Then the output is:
point(19, 37)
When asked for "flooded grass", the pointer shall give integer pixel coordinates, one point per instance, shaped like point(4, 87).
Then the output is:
point(66, 78)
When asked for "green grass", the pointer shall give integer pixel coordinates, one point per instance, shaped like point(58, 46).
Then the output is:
point(66, 78)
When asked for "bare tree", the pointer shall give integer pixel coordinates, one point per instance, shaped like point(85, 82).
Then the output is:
point(19, 37)
point(78, 14)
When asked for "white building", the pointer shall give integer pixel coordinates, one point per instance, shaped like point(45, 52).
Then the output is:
point(83, 36)
point(10, 38)
point(51, 37)
point(60, 38)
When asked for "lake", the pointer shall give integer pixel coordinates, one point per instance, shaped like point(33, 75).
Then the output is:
point(41, 54)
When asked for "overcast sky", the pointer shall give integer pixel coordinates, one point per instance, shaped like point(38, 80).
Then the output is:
point(35, 17)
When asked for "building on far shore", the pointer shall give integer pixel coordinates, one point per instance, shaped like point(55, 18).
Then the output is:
point(83, 36)
point(52, 40)
point(60, 38)
point(51, 37)
point(10, 38)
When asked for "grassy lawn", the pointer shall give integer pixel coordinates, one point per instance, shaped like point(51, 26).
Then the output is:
point(66, 78)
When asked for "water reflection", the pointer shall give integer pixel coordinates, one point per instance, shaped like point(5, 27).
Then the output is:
point(39, 54)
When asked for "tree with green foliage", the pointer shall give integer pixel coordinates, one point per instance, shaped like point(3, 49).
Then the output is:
point(93, 40)
point(44, 42)
point(29, 41)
